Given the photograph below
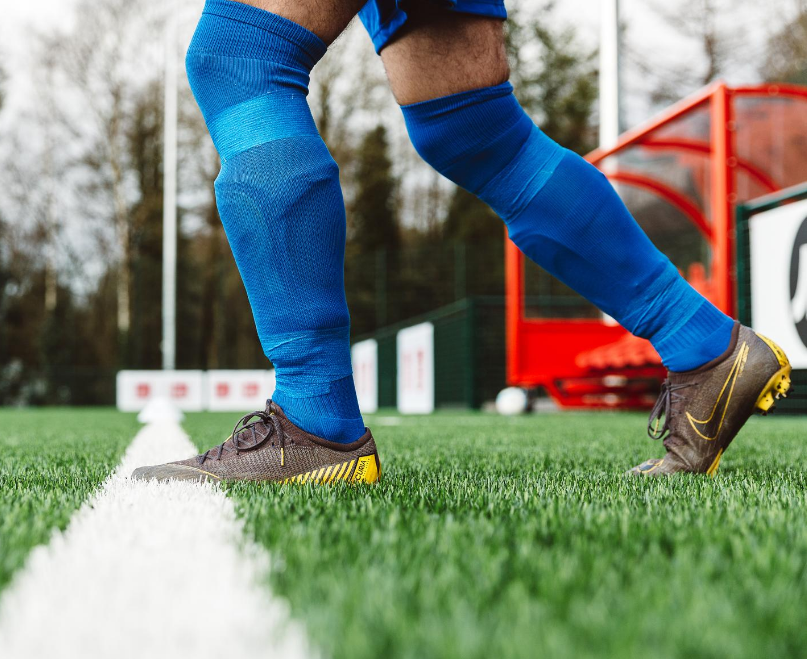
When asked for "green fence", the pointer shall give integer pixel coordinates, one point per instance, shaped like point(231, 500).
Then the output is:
point(469, 353)
point(796, 402)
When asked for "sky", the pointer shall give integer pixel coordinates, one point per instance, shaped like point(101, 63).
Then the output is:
point(19, 18)
point(647, 38)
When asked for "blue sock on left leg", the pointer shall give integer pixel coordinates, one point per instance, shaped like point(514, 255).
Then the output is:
point(564, 215)
point(281, 204)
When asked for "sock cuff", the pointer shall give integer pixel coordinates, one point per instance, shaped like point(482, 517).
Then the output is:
point(273, 26)
point(702, 338)
point(471, 136)
point(435, 106)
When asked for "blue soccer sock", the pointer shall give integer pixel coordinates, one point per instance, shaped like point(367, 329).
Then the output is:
point(564, 215)
point(281, 204)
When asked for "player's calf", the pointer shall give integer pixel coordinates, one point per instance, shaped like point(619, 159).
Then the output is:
point(281, 205)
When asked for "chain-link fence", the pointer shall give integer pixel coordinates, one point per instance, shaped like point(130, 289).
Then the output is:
point(385, 288)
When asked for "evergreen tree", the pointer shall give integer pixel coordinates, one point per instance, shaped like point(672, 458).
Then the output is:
point(374, 239)
point(374, 214)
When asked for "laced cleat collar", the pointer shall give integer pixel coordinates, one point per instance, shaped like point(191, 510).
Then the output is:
point(251, 431)
point(667, 406)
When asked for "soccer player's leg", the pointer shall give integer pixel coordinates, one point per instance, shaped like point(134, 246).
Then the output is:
point(449, 70)
point(279, 198)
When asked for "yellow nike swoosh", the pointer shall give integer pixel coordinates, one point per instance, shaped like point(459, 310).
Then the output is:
point(706, 427)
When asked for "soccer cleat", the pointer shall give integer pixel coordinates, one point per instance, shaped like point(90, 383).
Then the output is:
point(267, 446)
point(704, 409)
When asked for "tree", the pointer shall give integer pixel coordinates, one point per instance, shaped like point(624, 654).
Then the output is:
point(374, 219)
point(715, 44)
point(5, 230)
point(94, 76)
point(786, 52)
point(144, 145)
point(557, 85)
point(374, 237)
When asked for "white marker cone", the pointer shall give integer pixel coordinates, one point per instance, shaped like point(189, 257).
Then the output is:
point(160, 410)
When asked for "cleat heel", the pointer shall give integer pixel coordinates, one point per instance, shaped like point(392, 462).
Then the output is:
point(777, 387)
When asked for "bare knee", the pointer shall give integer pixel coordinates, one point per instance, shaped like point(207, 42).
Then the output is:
point(325, 18)
point(443, 52)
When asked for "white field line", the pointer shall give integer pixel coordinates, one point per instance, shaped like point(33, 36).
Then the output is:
point(148, 570)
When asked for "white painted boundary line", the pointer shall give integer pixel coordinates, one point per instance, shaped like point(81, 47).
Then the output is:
point(148, 570)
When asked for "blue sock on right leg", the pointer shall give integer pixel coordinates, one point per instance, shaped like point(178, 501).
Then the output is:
point(563, 214)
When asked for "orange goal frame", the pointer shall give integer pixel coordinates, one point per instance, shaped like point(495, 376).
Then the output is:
point(543, 352)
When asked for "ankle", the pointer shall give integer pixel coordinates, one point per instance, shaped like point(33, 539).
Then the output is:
point(332, 413)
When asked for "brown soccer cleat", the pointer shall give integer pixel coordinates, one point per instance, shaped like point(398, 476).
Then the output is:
point(704, 409)
point(267, 446)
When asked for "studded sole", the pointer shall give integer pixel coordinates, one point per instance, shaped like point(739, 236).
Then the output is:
point(777, 387)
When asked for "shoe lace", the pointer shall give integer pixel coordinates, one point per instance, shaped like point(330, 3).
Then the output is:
point(245, 427)
point(665, 406)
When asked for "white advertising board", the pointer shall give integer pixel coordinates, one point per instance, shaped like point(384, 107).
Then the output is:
point(238, 391)
point(364, 356)
point(415, 346)
point(185, 389)
point(778, 241)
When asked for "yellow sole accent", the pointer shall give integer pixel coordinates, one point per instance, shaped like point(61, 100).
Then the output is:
point(344, 475)
point(711, 471)
point(778, 385)
point(342, 471)
point(367, 470)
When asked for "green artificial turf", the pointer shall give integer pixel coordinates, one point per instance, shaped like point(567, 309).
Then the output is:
point(493, 537)
point(50, 461)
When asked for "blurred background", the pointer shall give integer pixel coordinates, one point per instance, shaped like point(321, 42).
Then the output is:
point(81, 181)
